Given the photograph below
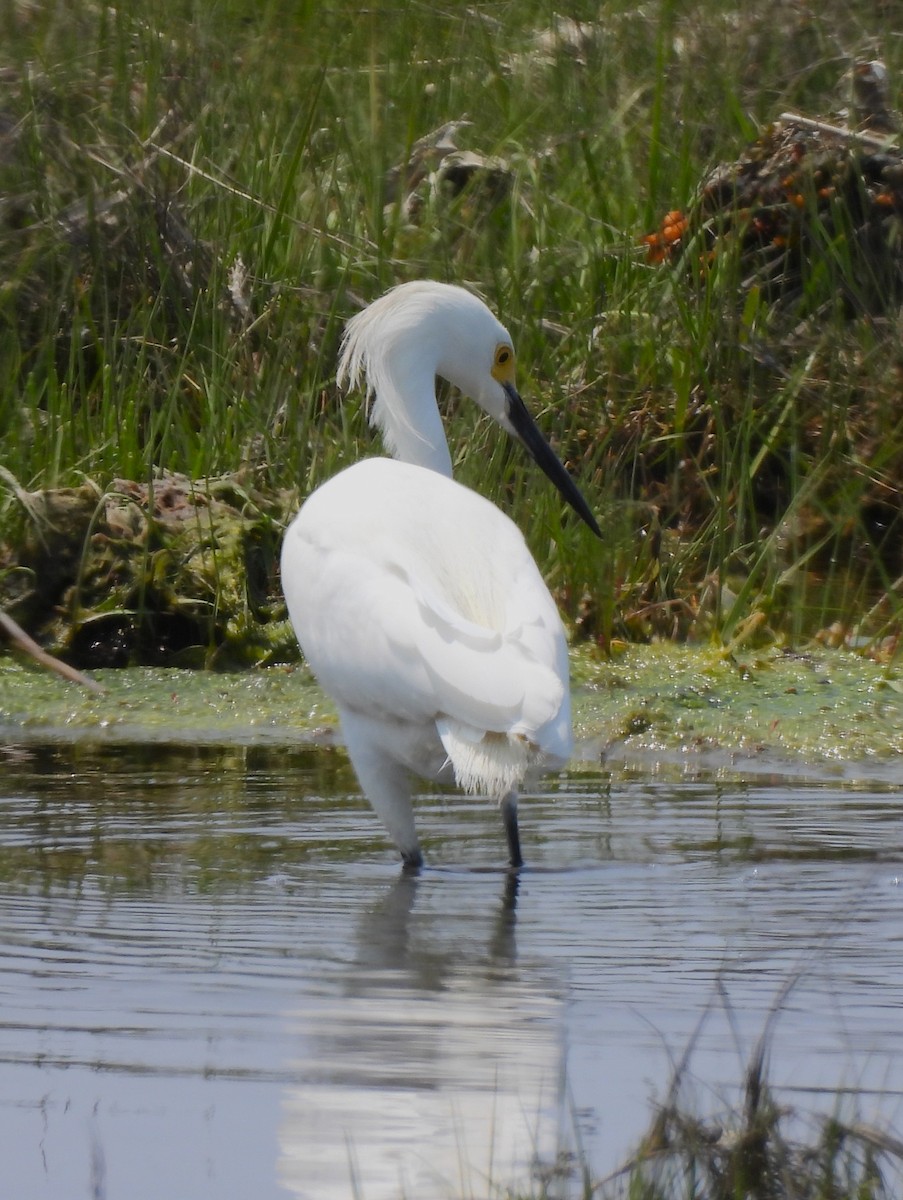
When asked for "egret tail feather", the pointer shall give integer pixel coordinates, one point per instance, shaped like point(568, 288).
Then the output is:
point(491, 764)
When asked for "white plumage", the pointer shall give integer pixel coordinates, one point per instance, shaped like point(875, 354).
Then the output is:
point(415, 600)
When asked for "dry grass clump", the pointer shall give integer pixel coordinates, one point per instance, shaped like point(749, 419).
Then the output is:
point(758, 1150)
point(757, 1153)
point(812, 210)
point(779, 458)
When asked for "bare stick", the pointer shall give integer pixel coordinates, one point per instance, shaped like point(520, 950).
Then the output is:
point(18, 635)
point(838, 131)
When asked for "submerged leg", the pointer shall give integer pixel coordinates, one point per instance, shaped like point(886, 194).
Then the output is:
point(508, 805)
point(411, 863)
point(386, 784)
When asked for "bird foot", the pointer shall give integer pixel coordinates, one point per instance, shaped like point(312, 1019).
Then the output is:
point(412, 862)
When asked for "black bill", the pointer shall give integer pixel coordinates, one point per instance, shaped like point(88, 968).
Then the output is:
point(545, 457)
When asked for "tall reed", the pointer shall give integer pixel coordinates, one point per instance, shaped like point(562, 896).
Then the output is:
point(197, 196)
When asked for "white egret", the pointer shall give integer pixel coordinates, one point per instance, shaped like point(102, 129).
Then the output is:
point(416, 601)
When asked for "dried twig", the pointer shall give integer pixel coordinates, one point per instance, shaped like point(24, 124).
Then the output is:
point(241, 194)
point(838, 131)
point(20, 638)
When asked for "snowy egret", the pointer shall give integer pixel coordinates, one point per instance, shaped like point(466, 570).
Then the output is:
point(416, 601)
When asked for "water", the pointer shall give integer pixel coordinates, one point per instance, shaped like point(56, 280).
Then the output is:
point(214, 981)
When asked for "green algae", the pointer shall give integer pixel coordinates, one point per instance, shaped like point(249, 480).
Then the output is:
point(828, 712)
point(165, 705)
point(824, 711)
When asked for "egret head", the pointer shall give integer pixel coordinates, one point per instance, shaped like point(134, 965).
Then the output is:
point(400, 343)
point(397, 345)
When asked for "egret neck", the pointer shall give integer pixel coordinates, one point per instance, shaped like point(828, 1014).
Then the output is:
point(405, 410)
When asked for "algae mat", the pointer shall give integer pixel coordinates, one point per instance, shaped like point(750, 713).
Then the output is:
point(830, 713)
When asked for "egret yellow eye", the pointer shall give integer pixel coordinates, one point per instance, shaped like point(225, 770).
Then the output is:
point(503, 365)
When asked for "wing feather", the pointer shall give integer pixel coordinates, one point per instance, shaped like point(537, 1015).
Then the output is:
point(402, 610)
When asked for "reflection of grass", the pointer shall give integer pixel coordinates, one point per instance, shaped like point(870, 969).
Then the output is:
point(187, 220)
point(221, 837)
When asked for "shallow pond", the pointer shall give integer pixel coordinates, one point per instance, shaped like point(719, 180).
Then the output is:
point(215, 982)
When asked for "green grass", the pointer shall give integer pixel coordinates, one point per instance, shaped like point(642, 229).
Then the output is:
point(745, 455)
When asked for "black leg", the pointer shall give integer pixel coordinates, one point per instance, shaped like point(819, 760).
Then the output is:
point(411, 863)
point(509, 817)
